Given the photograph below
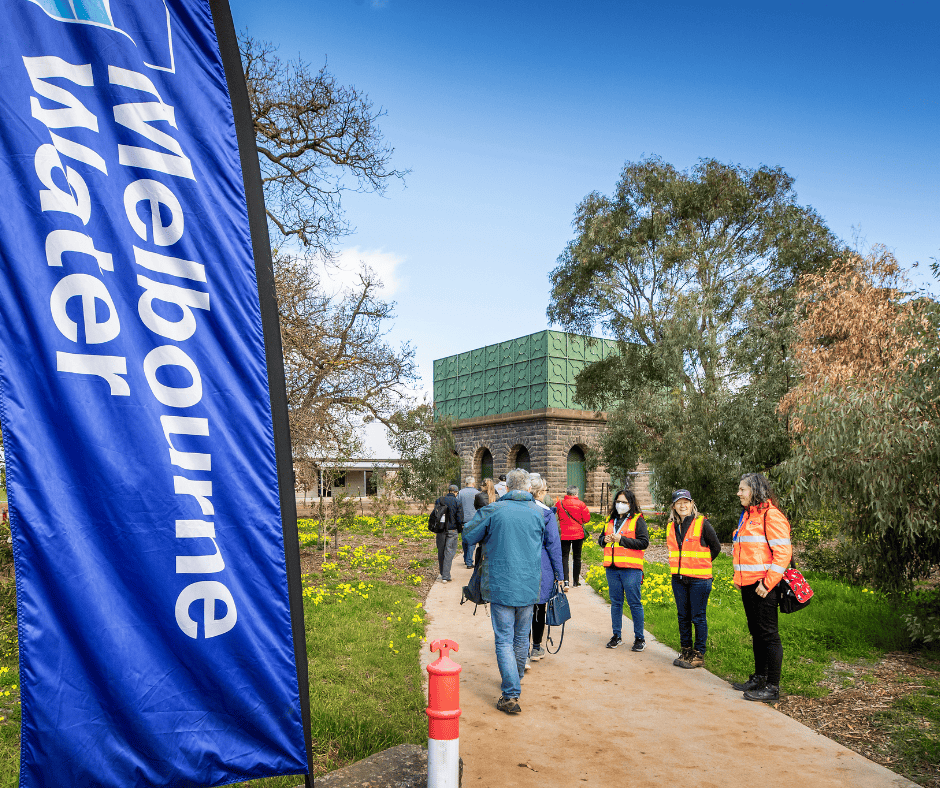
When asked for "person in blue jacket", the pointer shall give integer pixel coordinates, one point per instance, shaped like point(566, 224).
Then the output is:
point(512, 532)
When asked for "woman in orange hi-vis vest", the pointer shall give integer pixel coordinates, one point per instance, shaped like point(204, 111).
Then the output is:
point(762, 551)
point(623, 540)
point(693, 545)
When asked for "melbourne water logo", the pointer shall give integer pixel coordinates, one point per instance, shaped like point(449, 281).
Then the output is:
point(90, 12)
point(139, 20)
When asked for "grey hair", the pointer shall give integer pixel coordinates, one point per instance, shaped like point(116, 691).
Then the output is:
point(469, 481)
point(573, 490)
point(517, 479)
point(760, 488)
point(537, 484)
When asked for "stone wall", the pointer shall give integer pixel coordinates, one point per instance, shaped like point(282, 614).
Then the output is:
point(548, 434)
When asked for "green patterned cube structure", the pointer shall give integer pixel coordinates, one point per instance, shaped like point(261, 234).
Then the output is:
point(515, 407)
point(529, 373)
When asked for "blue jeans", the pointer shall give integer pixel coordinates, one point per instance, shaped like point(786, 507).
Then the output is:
point(691, 603)
point(511, 626)
point(625, 584)
point(467, 553)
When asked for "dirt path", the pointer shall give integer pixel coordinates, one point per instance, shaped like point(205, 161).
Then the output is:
point(613, 717)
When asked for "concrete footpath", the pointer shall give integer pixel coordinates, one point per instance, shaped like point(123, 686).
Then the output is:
point(611, 717)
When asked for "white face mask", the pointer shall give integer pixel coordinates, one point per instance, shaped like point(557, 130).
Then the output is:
point(622, 508)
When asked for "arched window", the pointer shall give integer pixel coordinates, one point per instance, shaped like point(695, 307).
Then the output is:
point(522, 459)
point(577, 476)
point(486, 465)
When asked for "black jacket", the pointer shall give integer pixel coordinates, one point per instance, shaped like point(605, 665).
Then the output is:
point(642, 540)
point(709, 537)
point(452, 504)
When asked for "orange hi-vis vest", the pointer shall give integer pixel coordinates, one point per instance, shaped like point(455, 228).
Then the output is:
point(620, 557)
point(692, 560)
point(762, 548)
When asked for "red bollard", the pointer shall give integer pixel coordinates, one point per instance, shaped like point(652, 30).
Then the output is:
point(443, 717)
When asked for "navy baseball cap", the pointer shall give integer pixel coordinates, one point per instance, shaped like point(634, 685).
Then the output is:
point(678, 495)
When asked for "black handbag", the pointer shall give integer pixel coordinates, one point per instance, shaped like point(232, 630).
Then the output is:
point(557, 612)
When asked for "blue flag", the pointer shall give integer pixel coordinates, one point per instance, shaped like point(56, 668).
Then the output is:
point(154, 622)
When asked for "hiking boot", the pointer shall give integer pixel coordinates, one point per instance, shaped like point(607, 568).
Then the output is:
point(509, 705)
point(537, 653)
point(755, 682)
point(615, 641)
point(769, 693)
point(694, 659)
point(638, 645)
point(684, 656)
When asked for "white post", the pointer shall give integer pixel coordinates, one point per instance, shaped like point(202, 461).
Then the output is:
point(443, 763)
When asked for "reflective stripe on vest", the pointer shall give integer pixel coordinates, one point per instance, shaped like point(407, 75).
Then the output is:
point(753, 552)
point(621, 557)
point(692, 560)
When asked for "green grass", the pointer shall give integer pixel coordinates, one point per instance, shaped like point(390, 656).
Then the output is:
point(913, 723)
point(844, 623)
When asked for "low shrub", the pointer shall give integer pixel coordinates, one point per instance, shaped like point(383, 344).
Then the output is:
point(922, 617)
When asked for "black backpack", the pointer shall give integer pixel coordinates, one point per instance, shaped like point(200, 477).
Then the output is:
point(472, 591)
point(437, 520)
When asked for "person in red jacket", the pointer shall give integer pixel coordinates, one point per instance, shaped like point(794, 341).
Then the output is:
point(762, 551)
point(573, 514)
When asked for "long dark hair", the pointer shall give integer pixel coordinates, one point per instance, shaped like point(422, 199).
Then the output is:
point(761, 491)
point(631, 499)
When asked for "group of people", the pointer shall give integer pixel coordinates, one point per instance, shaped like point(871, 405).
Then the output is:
point(527, 540)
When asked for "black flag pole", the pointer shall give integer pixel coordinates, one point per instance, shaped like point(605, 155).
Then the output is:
point(264, 270)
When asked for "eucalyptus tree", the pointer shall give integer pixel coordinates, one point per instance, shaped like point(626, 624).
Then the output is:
point(866, 417)
point(693, 273)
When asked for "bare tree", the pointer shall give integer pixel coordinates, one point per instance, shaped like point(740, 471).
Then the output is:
point(316, 139)
point(341, 372)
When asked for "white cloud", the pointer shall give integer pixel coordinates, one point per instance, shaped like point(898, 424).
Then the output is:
point(344, 272)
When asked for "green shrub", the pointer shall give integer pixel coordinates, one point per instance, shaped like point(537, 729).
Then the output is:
point(838, 559)
point(922, 617)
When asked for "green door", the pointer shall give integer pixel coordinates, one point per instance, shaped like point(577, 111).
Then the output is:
point(576, 471)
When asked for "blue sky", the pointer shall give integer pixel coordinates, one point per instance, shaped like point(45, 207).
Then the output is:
point(508, 114)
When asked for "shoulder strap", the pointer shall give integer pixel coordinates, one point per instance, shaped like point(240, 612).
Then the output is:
point(792, 559)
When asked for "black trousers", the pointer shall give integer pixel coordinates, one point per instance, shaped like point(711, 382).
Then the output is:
point(761, 615)
point(538, 623)
point(573, 546)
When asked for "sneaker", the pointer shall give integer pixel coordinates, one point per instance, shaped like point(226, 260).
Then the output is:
point(446, 581)
point(615, 641)
point(769, 693)
point(566, 584)
point(638, 645)
point(694, 659)
point(684, 655)
point(537, 653)
point(509, 705)
point(755, 682)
